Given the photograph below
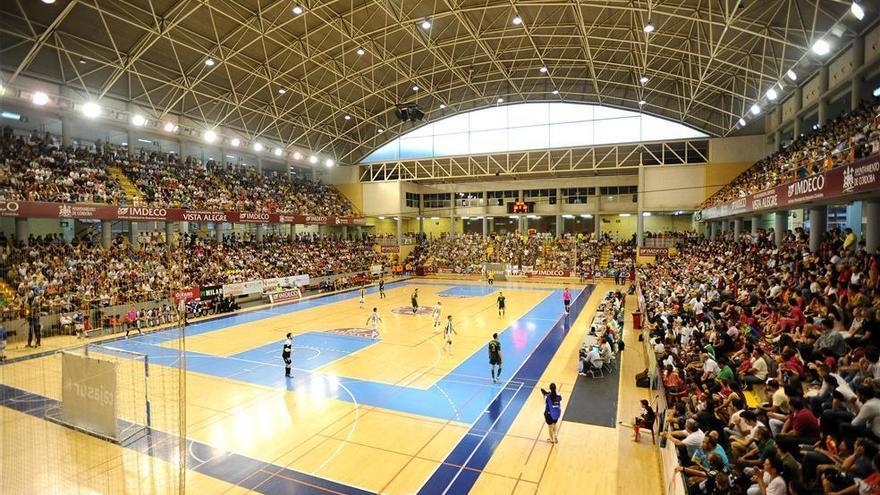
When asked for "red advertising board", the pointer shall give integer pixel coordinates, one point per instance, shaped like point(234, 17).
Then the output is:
point(652, 251)
point(38, 209)
point(547, 273)
point(190, 294)
point(854, 178)
point(390, 249)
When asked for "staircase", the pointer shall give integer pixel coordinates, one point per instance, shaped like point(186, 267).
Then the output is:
point(132, 193)
point(604, 256)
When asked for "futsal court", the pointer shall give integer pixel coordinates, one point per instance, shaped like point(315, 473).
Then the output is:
point(363, 413)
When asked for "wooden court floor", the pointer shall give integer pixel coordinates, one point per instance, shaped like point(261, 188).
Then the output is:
point(383, 416)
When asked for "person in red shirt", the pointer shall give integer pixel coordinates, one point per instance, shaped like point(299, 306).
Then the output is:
point(801, 426)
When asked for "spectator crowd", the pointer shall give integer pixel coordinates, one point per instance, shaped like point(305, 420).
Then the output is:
point(770, 363)
point(849, 137)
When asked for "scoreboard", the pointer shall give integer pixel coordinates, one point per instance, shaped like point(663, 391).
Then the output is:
point(520, 206)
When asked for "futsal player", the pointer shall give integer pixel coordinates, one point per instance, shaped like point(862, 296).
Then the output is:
point(447, 334)
point(490, 277)
point(566, 299)
point(436, 314)
point(495, 357)
point(286, 352)
point(501, 299)
point(373, 320)
point(363, 296)
point(382, 288)
point(415, 301)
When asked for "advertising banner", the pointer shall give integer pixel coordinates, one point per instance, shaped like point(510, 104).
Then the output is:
point(857, 177)
point(210, 292)
point(376, 270)
point(651, 251)
point(394, 249)
point(242, 288)
point(186, 295)
point(284, 295)
point(88, 393)
point(546, 273)
point(301, 280)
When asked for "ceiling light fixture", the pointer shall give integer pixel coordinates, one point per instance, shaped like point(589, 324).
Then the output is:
point(169, 127)
point(313, 159)
point(138, 120)
point(360, 51)
point(442, 106)
point(755, 109)
point(235, 142)
point(821, 47)
point(48, 2)
point(82, 61)
point(742, 122)
point(297, 9)
point(297, 155)
point(517, 20)
point(329, 162)
point(380, 130)
point(644, 80)
point(39, 98)
point(543, 69)
point(258, 147)
point(209, 62)
point(857, 11)
point(791, 75)
point(210, 136)
point(281, 91)
point(642, 103)
point(277, 152)
point(555, 91)
point(772, 94)
point(91, 109)
point(500, 100)
point(347, 117)
point(415, 88)
point(426, 24)
point(649, 28)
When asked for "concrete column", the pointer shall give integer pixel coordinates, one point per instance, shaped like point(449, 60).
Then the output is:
point(130, 140)
point(780, 226)
point(597, 226)
point(640, 229)
point(854, 217)
point(521, 224)
point(399, 229)
point(798, 123)
point(713, 230)
point(259, 165)
point(260, 230)
point(169, 235)
point(872, 225)
point(452, 214)
point(421, 225)
point(491, 224)
point(798, 105)
point(818, 225)
point(344, 231)
point(106, 234)
point(777, 140)
point(22, 230)
point(183, 227)
point(218, 232)
point(559, 221)
point(737, 227)
point(858, 60)
point(485, 226)
point(756, 223)
point(133, 235)
point(65, 131)
point(823, 102)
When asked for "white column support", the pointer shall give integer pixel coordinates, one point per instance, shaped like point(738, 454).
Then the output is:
point(737, 228)
point(260, 229)
point(818, 225)
point(872, 227)
point(640, 229)
point(22, 230)
point(133, 236)
point(780, 226)
point(106, 234)
point(399, 229)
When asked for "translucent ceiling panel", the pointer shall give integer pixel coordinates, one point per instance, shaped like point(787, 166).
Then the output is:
point(489, 118)
point(617, 130)
point(385, 153)
point(416, 147)
point(425, 130)
point(449, 125)
point(570, 112)
point(571, 134)
point(451, 144)
point(528, 138)
point(612, 113)
point(657, 129)
point(528, 114)
point(488, 141)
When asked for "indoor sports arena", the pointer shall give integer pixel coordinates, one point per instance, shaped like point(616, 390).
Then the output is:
point(450, 247)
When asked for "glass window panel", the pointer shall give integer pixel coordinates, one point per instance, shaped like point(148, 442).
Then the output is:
point(617, 130)
point(488, 141)
point(572, 134)
point(451, 144)
point(570, 112)
point(656, 129)
point(385, 153)
point(528, 138)
point(489, 118)
point(416, 147)
point(613, 113)
point(449, 125)
point(528, 114)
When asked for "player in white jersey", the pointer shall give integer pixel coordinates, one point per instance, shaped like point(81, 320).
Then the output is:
point(436, 314)
point(447, 334)
point(374, 320)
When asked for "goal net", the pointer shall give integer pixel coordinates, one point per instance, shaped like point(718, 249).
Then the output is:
point(499, 270)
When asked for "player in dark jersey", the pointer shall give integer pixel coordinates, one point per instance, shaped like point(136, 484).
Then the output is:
point(382, 288)
point(501, 300)
point(495, 357)
point(286, 352)
point(415, 301)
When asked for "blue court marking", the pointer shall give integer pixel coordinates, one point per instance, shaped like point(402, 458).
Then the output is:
point(468, 291)
point(417, 283)
point(235, 469)
point(311, 350)
point(461, 468)
point(460, 395)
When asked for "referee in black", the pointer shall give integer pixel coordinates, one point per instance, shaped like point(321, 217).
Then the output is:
point(286, 351)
